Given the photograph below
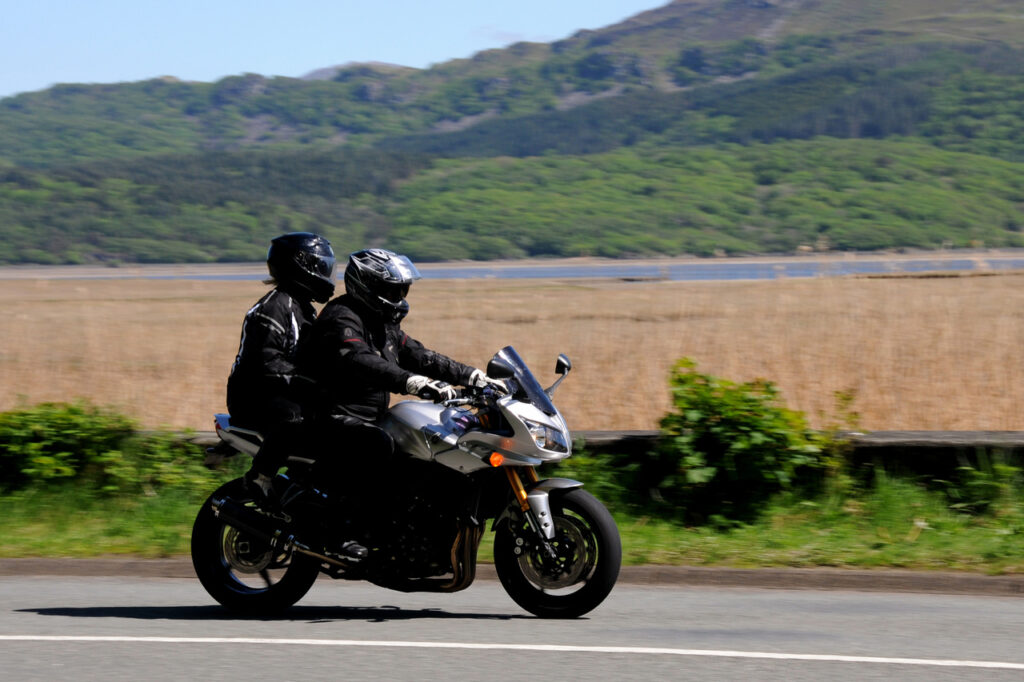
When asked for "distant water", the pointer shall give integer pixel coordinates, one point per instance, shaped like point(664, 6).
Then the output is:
point(695, 270)
point(726, 270)
point(688, 271)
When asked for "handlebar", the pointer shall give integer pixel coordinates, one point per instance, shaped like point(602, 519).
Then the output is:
point(471, 396)
point(455, 402)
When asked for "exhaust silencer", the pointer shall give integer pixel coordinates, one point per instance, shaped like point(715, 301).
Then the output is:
point(263, 528)
point(255, 524)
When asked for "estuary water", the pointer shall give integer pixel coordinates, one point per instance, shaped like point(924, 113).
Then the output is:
point(718, 269)
point(735, 269)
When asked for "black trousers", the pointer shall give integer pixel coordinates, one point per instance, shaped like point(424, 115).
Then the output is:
point(280, 421)
point(355, 456)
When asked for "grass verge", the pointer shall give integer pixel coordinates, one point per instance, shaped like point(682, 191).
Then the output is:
point(897, 524)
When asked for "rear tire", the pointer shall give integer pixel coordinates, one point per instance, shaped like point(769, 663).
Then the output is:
point(589, 553)
point(243, 573)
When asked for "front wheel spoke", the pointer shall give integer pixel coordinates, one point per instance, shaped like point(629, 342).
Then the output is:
point(265, 574)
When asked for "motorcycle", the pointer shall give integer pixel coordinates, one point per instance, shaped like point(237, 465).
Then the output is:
point(557, 550)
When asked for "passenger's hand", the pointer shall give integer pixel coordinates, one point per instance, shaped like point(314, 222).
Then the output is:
point(480, 380)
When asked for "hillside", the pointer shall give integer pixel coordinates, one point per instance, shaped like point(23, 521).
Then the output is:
point(822, 194)
point(164, 170)
point(682, 44)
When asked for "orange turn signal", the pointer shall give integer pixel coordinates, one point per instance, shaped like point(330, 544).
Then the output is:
point(496, 459)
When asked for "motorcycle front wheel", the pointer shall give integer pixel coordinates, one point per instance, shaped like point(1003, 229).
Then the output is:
point(243, 573)
point(583, 570)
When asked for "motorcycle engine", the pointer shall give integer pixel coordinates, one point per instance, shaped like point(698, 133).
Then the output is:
point(417, 540)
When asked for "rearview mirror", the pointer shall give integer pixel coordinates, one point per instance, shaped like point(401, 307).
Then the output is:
point(563, 365)
point(498, 368)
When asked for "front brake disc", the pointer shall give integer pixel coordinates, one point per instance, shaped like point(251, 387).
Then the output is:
point(572, 562)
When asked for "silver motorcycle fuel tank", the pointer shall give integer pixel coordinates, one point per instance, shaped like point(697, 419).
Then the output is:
point(428, 431)
point(405, 422)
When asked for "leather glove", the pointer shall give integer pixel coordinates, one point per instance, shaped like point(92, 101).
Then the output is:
point(429, 389)
point(415, 383)
point(480, 380)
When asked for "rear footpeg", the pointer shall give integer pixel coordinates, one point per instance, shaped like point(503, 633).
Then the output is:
point(217, 454)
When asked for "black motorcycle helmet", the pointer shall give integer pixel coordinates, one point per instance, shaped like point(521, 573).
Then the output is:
point(380, 279)
point(303, 261)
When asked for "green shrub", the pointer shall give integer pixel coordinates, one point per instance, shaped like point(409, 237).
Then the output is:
point(727, 448)
point(989, 486)
point(609, 476)
point(158, 461)
point(57, 443)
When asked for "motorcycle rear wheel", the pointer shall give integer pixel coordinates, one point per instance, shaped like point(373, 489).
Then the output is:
point(243, 573)
point(589, 554)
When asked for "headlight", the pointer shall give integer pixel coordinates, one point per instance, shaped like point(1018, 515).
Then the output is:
point(548, 438)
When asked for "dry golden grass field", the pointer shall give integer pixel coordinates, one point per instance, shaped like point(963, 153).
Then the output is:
point(920, 353)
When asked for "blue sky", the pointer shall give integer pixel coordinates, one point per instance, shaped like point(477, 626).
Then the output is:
point(43, 42)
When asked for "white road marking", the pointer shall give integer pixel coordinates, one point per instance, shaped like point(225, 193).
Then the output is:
point(559, 648)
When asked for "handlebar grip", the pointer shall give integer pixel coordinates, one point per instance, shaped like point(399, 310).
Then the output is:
point(431, 392)
point(427, 393)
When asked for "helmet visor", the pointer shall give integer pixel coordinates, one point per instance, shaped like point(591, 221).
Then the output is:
point(325, 266)
point(318, 264)
point(393, 292)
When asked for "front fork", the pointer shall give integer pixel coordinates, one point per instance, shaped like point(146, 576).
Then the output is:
point(537, 509)
point(535, 503)
point(539, 518)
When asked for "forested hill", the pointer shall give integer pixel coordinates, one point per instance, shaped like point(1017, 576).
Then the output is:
point(703, 126)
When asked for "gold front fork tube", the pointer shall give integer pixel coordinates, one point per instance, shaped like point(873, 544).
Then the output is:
point(517, 485)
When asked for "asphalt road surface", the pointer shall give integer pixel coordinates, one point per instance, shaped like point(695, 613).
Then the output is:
point(117, 628)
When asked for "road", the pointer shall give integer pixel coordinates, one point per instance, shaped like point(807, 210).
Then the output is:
point(117, 628)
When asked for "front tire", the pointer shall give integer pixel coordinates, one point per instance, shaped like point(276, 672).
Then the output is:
point(243, 573)
point(589, 554)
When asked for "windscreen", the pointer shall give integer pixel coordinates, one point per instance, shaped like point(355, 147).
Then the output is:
point(524, 377)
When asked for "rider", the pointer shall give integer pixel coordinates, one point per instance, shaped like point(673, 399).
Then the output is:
point(263, 389)
point(358, 355)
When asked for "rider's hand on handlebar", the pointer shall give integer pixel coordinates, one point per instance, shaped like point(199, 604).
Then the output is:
point(430, 389)
point(480, 380)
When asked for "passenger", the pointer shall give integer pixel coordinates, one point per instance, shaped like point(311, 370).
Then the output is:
point(263, 392)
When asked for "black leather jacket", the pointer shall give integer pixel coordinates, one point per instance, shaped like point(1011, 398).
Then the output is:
point(357, 360)
point(266, 362)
